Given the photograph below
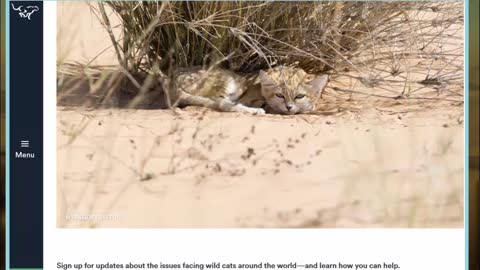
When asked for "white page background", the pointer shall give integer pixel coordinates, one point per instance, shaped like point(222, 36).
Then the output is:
point(412, 249)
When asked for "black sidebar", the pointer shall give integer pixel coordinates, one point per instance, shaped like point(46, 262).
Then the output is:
point(26, 134)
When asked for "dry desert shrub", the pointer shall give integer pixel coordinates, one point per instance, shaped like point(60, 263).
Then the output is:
point(391, 49)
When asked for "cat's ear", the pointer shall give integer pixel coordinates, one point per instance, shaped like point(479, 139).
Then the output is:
point(265, 79)
point(318, 84)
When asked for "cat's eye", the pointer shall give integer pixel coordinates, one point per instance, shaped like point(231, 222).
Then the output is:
point(300, 96)
point(279, 95)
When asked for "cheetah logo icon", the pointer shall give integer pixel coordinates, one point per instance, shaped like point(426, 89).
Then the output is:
point(25, 12)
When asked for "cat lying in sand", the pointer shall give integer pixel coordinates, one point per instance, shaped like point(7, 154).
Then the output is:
point(281, 90)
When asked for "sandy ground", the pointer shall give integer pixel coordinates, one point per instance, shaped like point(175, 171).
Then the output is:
point(81, 37)
point(196, 168)
point(399, 165)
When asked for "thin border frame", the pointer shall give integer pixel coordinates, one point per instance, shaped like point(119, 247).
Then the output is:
point(466, 93)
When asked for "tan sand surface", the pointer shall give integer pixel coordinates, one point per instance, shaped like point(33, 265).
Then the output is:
point(399, 167)
point(81, 37)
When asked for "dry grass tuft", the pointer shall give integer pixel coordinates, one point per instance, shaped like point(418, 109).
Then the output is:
point(394, 50)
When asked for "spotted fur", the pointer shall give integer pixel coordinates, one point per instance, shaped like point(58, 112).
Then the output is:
point(283, 90)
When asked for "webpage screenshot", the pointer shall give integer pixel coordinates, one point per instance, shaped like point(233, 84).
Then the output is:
point(238, 135)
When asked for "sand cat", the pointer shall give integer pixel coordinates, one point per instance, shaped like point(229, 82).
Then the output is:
point(281, 90)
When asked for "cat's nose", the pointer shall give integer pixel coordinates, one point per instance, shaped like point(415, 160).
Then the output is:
point(289, 106)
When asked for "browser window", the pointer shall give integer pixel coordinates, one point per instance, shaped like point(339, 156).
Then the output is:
point(236, 135)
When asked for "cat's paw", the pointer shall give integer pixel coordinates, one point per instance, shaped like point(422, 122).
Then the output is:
point(245, 109)
point(257, 111)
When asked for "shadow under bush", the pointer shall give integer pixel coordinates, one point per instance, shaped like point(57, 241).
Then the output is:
point(392, 49)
